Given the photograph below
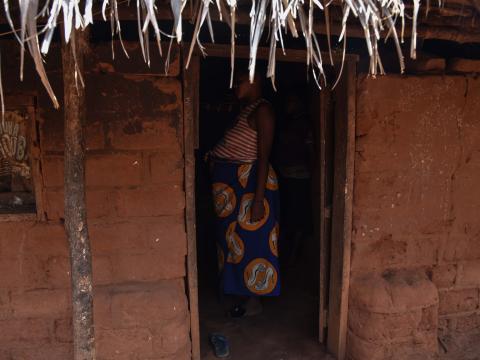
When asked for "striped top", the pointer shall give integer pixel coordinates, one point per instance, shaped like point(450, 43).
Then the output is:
point(240, 142)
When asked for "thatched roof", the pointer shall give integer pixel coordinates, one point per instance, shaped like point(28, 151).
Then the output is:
point(271, 19)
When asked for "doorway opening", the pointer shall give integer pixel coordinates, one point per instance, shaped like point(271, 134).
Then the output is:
point(290, 325)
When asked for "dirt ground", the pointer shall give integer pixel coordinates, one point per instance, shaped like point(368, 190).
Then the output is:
point(286, 330)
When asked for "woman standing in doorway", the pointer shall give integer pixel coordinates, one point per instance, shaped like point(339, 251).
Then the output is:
point(245, 193)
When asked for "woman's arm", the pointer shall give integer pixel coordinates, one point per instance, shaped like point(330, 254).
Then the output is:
point(265, 125)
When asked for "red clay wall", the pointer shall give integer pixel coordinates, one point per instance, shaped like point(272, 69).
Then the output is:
point(135, 204)
point(416, 206)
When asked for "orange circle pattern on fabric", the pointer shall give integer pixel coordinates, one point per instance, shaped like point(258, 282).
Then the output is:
point(236, 247)
point(243, 173)
point(273, 240)
point(224, 199)
point(245, 213)
point(272, 180)
point(260, 276)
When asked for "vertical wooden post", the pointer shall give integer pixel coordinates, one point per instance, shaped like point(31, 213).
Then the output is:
point(190, 114)
point(75, 208)
point(345, 108)
point(321, 205)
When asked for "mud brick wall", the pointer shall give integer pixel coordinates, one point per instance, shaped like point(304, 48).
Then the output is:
point(416, 204)
point(135, 200)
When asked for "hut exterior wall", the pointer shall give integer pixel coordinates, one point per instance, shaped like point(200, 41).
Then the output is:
point(415, 247)
point(135, 201)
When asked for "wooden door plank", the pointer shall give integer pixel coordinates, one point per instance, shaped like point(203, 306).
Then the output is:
point(190, 112)
point(342, 211)
point(323, 286)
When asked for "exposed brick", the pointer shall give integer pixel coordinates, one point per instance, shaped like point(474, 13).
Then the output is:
point(458, 248)
point(54, 204)
point(166, 233)
point(5, 354)
point(464, 65)
point(12, 267)
point(25, 331)
point(40, 303)
point(389, 196)
point(149, 266)
point(6, 310)
point(51, 131)
point(94, 135)
point(183, 354)
point(466, 198)
point(153, 305)
point(158, 133)
point(166, 167)
point(377, 327)
point(101, 170)
point(386, 252)
point(443, 276)
point(46, 240)
point(52, 139)
point(161, 200)
point(426, 64)
point(173, 337)
point(443, 325)
point(423, 346)
point(359, 349)
point(102, 270)
point(128, 96)
point(100, 203)
point(468, 323)
point(455, 301)
point(102, 307)
point(47, 351)
point(33, 273)
point(53, 171)
point(469, 274)
point(63, 330)
point(114, 170)
point(124, 343)
point(396, 291)
point(101, 59)
point(57, 271)
point(13, 238)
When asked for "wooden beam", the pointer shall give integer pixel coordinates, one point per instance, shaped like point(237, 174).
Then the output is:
point(75, 206)
point(291, 55)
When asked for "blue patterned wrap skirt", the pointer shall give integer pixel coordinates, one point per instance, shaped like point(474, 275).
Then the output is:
point(247, 251)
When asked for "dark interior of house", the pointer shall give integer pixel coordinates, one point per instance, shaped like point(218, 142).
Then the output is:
point(288, 325)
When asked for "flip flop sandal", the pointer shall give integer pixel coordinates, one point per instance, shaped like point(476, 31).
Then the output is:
point(220, 345)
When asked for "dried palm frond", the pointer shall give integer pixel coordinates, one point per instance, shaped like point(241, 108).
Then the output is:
point(280, 16)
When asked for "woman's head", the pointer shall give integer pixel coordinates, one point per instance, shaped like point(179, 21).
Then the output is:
point(244, 89)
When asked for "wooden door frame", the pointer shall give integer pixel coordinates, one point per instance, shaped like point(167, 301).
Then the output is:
point(342, 210)
point(191, 88)
point(337, 316)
